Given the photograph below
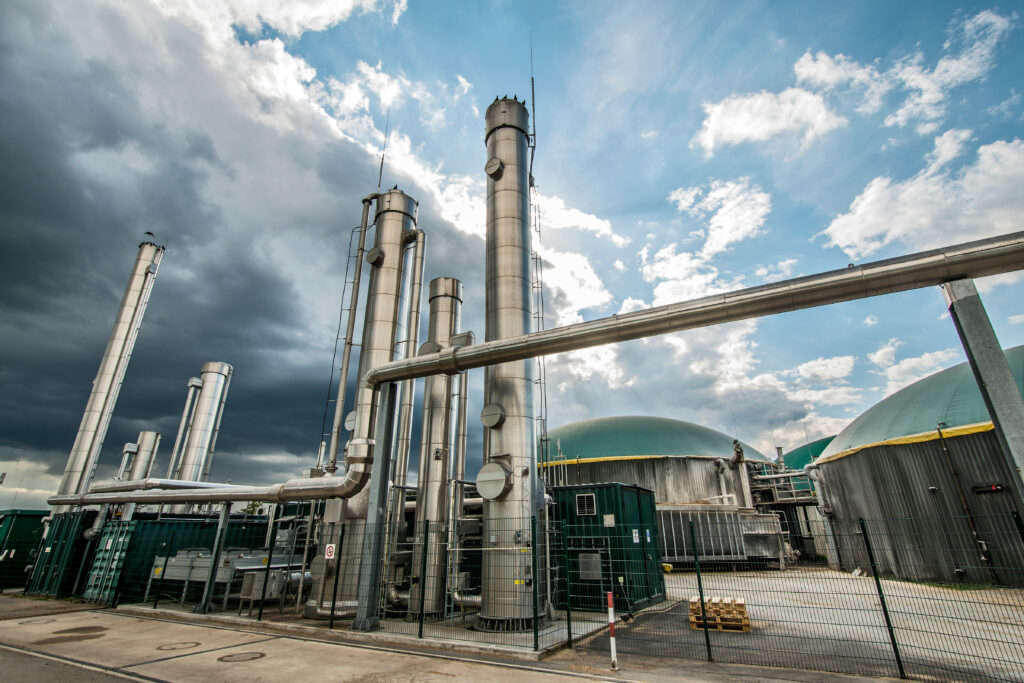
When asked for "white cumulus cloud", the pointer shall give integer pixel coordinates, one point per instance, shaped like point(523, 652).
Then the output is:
point(901, 373)
point(937, 206)
point(827, 72)
point(760, 116)
point(968, 55)
point(822, 369)
point(780, 271)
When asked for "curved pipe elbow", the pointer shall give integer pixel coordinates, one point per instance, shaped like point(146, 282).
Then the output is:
point(464, 600)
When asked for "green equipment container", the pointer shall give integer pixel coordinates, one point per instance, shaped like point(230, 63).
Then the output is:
point(125, 552)
point(62, 555)
point(20, 531)
point(611, 541)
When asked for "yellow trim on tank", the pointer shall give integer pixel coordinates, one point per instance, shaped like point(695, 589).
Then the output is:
point(914, 438)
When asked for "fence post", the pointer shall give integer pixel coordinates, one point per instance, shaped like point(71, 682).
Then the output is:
point(881, 598)
point(163, 572)
point(700, 591)
point(337, 575)
point(423, 574)
point(270, 559)
point(1019, 523)
point(535, 582)
point(568, 585)
point(611, 629)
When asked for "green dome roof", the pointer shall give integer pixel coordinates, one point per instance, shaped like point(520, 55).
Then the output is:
point(806, 454)
point(617, 437)
point(949, 396)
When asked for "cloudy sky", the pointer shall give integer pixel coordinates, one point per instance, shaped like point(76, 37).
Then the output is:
point(682, 150)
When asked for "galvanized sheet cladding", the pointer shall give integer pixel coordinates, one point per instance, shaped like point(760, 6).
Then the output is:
point(674, 480)
point(907, 491)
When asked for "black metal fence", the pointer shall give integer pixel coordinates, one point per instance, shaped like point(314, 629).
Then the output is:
point(852, 608)
point(854, 602)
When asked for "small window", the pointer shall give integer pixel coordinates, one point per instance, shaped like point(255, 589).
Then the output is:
point(586, 504)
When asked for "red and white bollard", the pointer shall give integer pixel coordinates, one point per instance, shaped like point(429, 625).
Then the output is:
point(611, 631)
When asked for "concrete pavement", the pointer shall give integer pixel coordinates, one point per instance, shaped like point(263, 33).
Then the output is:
point(40, 643)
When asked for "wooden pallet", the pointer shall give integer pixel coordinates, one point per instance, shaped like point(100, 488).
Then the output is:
point(723, 614)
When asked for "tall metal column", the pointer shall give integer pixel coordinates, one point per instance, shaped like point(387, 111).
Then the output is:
point(204, 424)
point(435, 452)
point(395, 221)
point(998, 389)
point(105, 388)
point(510, 458)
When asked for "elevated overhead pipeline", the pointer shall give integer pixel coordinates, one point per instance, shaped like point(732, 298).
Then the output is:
point(979, 258)
point(972, 259)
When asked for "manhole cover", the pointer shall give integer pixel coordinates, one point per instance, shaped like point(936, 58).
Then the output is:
point(241, 657)
point(37, 621)
point(178, 646)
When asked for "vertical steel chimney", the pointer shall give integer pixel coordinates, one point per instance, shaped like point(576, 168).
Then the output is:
point(200, 439)
point(435, 452)
point(92, 431)
point(145, 456)
point(510, 458)
point(395, 221)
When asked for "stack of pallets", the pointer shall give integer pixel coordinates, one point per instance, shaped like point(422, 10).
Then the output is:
point(724, 614)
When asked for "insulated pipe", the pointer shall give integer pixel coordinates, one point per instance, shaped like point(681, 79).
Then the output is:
point(208, 456)
point(194, 383)
point(107, 385)
point(979, 258)
point(127, 457)
point(153, 483)
point(721, 466)
point(145, 456)
point(346, 353)
point(411, 342)
point(142, 464)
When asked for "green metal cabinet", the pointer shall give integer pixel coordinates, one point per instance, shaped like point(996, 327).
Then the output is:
point(125, 552)
point(20, 531)
point(611, 541)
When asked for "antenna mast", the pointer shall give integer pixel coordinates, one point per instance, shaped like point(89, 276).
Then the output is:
point(384, 151)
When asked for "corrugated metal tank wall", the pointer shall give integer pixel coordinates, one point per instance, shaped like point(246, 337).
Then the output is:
point(673, 479)
point(914, 516)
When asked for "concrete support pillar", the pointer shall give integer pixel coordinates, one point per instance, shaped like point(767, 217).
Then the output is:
point(998, 388)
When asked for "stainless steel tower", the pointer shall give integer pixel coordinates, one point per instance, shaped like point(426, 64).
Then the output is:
point(105, 388)
point(395, 221)
point(435, 454)
point(509, 476)
point(200, 431)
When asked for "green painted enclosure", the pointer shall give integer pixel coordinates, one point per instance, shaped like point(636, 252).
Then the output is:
point(611, 540)
point(20, 531)
point(125, 552)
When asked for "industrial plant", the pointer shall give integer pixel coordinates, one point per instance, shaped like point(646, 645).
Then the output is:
point(554, 520)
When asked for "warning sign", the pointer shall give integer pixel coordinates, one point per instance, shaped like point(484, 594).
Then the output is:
point(329, 551)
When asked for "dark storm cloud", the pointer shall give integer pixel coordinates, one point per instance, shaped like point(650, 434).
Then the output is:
point(256, 214)
point(67, 241)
